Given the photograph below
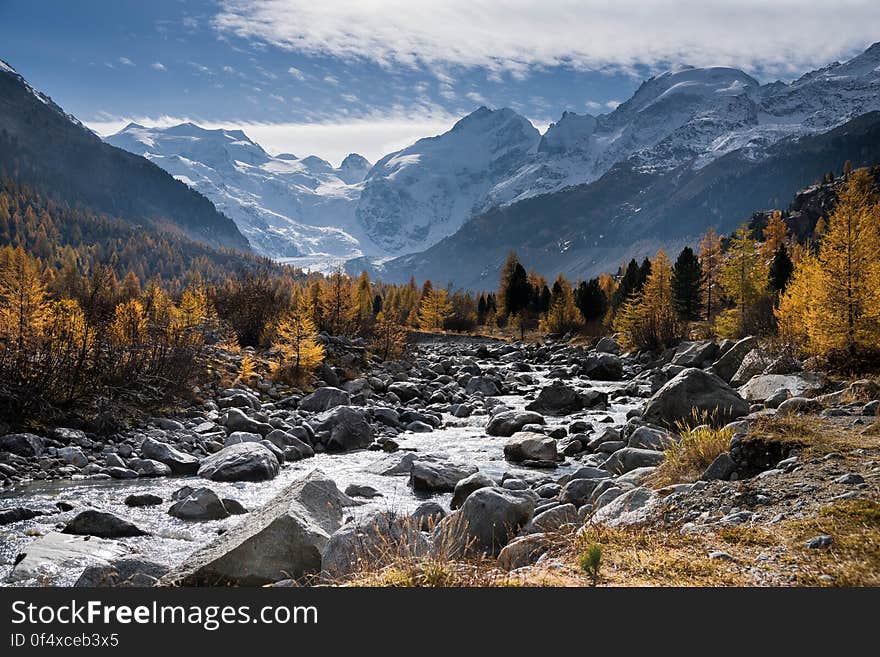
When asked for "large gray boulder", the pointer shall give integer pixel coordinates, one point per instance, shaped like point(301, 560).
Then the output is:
point(523, 551)
point(555, 519)
point(57, 553)
point(370, 543)
point(487, 521)
point(603, 367)
point(631, 508)
point(630, 458)
point(482, 384)
point(347, 427)
point(434, 476)
point(650, 438)
point(92, 522)
point(729, 362)
point(695, 354)
point(753, 363)
point(282, 540)
point(200, 504)
point(557, 399)
point(180, 463)
point(507, 423)
point(23, 444)
point(763, 386)
point(237, 420)
point(240, 462)
point(323, 399)
point(693, 392)
point(608, 345)
point(405, 390)
point(125, 572)
point(528, 446)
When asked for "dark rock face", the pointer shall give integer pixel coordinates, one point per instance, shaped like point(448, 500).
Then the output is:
point(100, 523)
point(23, 444)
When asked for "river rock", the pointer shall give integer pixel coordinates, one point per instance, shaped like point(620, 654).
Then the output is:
point(528, 446)
point(405, 391)
point(523, 551)
point(180, 463)
point(467, 486)
point(23, 444)
point(92, 522)
point(763, 386)
point(56, 552)
point(554, 519)
point(631, 508)
point(650, 438)
point(630, 458)
point(608, 345)
point(507, 423)
point(73, 456)
point(371, 542)
point(487, 521)
point(694, 391)
point(483, 385)
point(200, 504)
point(18, 514)
point(753, 363)
point(347, 427)
point(237, 420)
point(241, 462)
point(432, 476)
point(149, 468)
point(603, 367)
point(729, 362)
point(695, 354)
point(557, 399)
point(284, 539)
point(323, 399)
point(427, 515)
point(128, 571)
point(578, 491)
point(142, 499)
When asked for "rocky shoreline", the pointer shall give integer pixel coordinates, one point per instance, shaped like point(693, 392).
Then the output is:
point(565, 460)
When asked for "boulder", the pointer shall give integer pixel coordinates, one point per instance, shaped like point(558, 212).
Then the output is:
point(347, 427)
point(695, 354)
point(427, 515)
point(522, 551)
point(554, 519)
point(241, 462)
point(557, 399)
point(431, 476)
point(143, 499)
point(237, 420)
point(371, 542)
point(323, 399)
point(92, 522)
point(797, 405)
point(507, 423)
point(17, 514)
point(483, 385)
point(128, 571)
point(630, 458)
point(356, 490)
point(468, 485)
point(729, 362)
point(282, 540)
point(73, 456)
point(763, 386)
point(577, 492)
point(23, 444)
point(603, 367)
point(405, 391)
point(721, 468)
point(180, 463)
point(650, 438)
point(608, 345)
point(528, 446)
point(150, 467)
point(631, 508)
point(200, 504)
point(753, 363)
point(487, 521)
point(55, 553)
point(694, 392)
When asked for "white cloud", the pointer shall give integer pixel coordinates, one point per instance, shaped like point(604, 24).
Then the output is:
point(158, 66)
point(612, 104)
point(125, 61)
point(329, 79)
point(476, 97)
point(295, 72)
point(779, 36)
point(371, 136)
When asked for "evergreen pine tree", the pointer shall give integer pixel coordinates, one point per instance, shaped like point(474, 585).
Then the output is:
point(781, 270)
point(687, 285)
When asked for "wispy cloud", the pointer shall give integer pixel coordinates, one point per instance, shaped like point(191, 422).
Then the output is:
point(158, 66)
point(125, 61)
point(518, 35)
point(296, 73)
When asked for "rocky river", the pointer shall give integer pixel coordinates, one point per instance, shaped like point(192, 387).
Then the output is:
point(548, 433)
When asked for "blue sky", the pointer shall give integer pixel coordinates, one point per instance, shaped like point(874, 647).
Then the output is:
point(372, 75)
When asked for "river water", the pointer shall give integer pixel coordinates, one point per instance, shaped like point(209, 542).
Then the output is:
point(172, 540)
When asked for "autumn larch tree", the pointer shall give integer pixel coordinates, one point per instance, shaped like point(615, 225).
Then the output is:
point(434, 309)
point(295, 337)
point(649, 319)
point(710, 261)
point(744, 281)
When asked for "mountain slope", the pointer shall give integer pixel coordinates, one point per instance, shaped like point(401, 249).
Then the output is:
point(42, 146)
point(287, 207)
point(628, 212)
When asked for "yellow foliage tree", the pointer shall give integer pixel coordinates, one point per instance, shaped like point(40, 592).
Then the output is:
point(338, 304)
point(833, 307)
point(775, 235)
point(563, 315)
point(434, 308)
point(295, 337)
point(744, 280)
point(710, 261)
point(649, 320)
point(389, 338)
point(23, 311)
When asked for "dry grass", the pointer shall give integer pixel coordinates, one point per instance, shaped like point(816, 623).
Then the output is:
point(686, 460)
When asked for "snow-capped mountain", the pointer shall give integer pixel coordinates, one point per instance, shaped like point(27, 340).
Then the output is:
point(413, 198)
point(286, 207)
point(417, 196)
